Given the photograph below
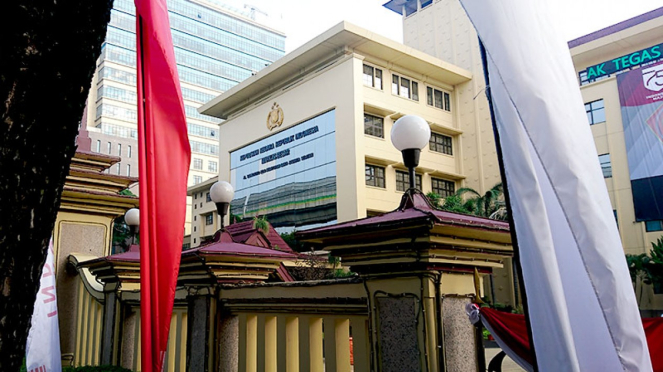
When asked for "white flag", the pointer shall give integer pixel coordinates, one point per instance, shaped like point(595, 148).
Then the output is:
point(582, 308)
point(43, 347)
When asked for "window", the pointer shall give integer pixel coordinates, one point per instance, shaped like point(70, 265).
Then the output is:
point(119, 166)
point(372, 77)
point(440, 143)
point(194, 229)
point(119, 149)
point(209, 219)
point(197, 164)
point(109, 148)
point(98, 146)
point(128, 170)
point(212, 166)
point(374, 176)
point(197, 179)
point(438, 98)
point(425, 3)
point(595, 112)
point(208, 198)
point(606, 166)
point(373, 126)
point(129, 151)
point(443, 188)
point(403, 181)
point(404, 87)
point(653, 226)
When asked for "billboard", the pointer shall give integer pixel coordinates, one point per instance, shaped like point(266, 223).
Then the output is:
point(641, 99)
point(290, 176)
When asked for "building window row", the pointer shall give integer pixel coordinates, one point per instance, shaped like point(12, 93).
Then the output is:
point(375, 176)
point(117, 112)
point(404, 87)
point(595, 112)
point(119, 94)
point(219, 20)
point(118, 130)
point(372, 77)
point(212, 166)
point(201, 130)
point(192, 112)
point(651, 226)
point(403, 181)
point(373, 126)
point(109, 146)
point(204, 148)
point(441, 143)
point(438, 98)
point(606, 165)
point(197, 58)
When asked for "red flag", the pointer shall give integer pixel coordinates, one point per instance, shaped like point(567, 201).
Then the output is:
point(165, 154)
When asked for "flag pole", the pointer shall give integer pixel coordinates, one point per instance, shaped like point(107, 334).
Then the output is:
point(507, 199)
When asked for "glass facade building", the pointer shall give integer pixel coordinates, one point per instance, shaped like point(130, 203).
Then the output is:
point(215, 46)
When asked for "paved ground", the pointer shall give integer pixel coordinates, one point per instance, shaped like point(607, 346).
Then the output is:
point(507, 366)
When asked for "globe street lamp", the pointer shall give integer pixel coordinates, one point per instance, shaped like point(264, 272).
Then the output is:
point(132, 219)
point(409, 135)
point(222, 194)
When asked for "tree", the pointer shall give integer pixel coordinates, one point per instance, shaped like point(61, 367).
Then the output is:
point(483, 205)
point(49, 50)
point(489, 205)
point(261, 223)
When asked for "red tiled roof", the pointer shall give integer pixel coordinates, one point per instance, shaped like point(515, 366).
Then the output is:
point(238, 249)
point(414, 207)
point(242, 231)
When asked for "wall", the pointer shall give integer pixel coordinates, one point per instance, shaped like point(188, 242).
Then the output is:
point(444, 31)
point(319, 92)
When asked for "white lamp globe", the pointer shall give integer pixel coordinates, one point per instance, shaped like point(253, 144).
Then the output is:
point(410, 132)
point(132, 217)
point(222, 192)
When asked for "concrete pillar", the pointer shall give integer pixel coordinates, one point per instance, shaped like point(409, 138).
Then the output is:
point(228, 343)
point(108, 331)
point(198, 332)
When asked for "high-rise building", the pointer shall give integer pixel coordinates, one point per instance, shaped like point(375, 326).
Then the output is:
point(216, 47)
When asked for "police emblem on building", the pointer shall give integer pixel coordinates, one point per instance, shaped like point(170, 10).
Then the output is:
point(275, 117)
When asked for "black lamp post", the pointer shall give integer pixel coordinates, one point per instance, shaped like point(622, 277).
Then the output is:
point(132, 219)
point(222, 194)
point(409, 135)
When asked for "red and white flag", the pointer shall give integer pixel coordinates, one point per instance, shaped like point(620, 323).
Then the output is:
point(164, 157)
point(582, 309)
point(43, 347)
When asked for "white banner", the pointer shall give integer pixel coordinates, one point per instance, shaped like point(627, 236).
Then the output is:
point(43, 347)
point(581, 305)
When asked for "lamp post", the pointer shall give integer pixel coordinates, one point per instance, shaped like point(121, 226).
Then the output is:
point(132, 219)
point(409, 135)
point(222, 194)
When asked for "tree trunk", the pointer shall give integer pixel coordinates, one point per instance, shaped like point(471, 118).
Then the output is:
point(48, 53)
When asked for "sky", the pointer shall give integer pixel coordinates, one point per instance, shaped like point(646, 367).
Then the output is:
point(302, 20)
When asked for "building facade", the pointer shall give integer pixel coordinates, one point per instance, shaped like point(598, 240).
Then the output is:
point(216, 47)
point(306, 140)
point(620, 72)
point(631, 161)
